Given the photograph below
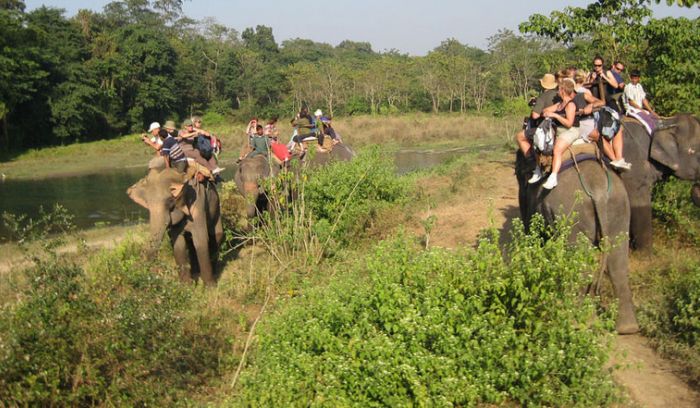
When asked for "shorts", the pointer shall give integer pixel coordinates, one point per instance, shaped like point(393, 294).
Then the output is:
point(568, 135)
point(586, 126)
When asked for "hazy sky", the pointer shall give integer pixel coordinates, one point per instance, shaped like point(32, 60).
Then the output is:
point(410, 26)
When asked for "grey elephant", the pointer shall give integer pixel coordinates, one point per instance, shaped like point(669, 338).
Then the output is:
point(251, 171)
point(249, 175)
point(605, 213)
point(673, 150)
point(192, 219)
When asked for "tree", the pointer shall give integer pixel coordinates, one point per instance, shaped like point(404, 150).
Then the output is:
point(20, 71)
point(612, 26)
point(673, 69)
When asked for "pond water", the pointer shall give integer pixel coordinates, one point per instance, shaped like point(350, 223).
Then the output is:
point(100, 199)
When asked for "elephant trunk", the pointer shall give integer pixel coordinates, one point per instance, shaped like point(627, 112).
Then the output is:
point(159, 221)
point(251, 192)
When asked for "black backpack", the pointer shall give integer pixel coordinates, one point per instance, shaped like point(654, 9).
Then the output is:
point(203, 144)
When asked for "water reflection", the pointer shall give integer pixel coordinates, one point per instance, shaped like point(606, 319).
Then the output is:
point(100, 199)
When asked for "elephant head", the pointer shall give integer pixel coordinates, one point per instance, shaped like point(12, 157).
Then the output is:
point(159, 192)
point(676, 145)
point(248, 176)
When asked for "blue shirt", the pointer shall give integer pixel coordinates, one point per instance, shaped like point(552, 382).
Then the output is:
point(172, 149)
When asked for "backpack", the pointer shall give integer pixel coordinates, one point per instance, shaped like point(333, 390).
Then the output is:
point(203, 144)
point(543, 138)
point(607, 121)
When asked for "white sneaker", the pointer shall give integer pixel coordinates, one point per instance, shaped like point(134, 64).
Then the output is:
point(551, 182)
point(536, 175)
point(625, 164)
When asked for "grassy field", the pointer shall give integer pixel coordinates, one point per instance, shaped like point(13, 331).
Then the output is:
point(416, 130)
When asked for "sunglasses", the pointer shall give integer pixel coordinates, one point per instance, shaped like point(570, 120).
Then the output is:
point(597, 65)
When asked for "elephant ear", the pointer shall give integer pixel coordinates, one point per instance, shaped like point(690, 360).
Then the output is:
point(138, 193)
point(664, 148)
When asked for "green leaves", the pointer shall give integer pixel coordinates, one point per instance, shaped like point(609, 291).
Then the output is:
point(406, 327)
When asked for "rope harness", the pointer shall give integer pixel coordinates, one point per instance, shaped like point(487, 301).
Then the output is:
point(595, 285)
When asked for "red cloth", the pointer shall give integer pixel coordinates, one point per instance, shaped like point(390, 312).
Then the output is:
point(280, 151)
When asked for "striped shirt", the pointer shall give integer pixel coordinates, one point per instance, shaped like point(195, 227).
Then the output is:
point(172, 149)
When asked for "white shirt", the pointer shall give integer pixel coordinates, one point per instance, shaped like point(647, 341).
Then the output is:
point(635, 93)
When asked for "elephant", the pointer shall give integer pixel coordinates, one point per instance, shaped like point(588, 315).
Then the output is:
point(605, 213)
point(254, 169)
point(191, 216)
point(674, 149)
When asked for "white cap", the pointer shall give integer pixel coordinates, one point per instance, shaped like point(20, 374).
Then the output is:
point(318, 112)
point(154, 125)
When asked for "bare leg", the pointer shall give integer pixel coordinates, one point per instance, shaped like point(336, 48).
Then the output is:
point(617, 145)
point(608, 149)
point(559, 147)
point(523, 143)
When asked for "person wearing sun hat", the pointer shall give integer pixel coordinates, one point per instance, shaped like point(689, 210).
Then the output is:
point(170, 127)
point(547, 98)
point(155, 141)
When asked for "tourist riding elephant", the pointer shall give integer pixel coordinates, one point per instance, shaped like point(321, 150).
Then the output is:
point(605, 213)
point(251, 171)
point(189, 211)
point(673, 150)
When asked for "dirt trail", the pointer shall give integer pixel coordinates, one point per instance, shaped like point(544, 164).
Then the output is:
point(492, 197)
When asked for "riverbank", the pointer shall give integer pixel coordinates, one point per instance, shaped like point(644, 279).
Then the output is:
point(394, 132)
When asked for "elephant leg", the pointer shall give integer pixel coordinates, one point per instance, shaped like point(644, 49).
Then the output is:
point(640, 225)
point(200, 239)
point(180, 252)
point(618, 271)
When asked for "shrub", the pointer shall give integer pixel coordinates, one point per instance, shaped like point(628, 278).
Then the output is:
point(120, 332)
point(674, 209)
point(408, 327)
point(347, 196)
point(672, 315)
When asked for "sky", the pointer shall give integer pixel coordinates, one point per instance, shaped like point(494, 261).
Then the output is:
point(410, 26)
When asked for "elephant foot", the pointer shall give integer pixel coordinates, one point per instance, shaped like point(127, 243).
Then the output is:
point(626, 325)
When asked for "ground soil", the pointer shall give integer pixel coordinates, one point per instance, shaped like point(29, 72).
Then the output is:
point(491, 199)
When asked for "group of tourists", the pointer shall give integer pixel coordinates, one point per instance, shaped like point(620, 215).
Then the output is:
point(578, 106)
point(264, 140)
point(191, 142)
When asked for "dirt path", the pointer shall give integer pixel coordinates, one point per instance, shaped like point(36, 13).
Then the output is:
point(492, 197)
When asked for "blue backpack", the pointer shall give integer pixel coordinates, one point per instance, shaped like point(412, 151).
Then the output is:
point(203, 144)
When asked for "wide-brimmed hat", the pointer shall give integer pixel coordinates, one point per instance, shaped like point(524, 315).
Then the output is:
point(318, 112)
point(187, 122)
point(169, 124)
point(154, 125)
point(548, 81)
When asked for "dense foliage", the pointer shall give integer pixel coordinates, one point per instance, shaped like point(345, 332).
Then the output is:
point(670, 312)
point(408, 327)
point(120, 332)
point(677, 214)
point(346, 197)
point(98, 74)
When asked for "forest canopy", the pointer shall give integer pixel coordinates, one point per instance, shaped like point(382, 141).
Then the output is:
point(96, 75)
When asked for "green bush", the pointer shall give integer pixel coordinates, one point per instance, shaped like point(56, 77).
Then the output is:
point(120, 332)
point(345, 197)
point(408, 327)
point(674, 209)
point(672, 316)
